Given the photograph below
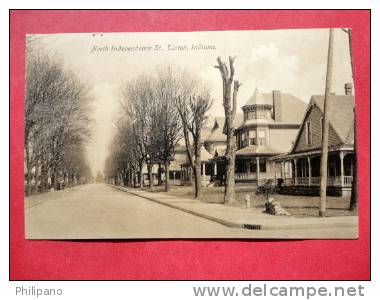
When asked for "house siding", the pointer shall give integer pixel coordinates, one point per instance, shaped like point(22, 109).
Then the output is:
point(314, 116)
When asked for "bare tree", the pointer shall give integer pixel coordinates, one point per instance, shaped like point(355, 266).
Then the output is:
point(192, 110)
point(165, 120)
point(229, 104)
point(56, 122)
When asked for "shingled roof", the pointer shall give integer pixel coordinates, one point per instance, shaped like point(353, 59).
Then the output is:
point(293, 108)
point(259, 98)
point(341, 115)
point(217, 134)
point(253, 149)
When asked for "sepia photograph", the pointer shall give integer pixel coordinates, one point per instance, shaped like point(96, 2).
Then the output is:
point(246, 134)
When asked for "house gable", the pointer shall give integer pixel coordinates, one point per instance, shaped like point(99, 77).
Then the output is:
point(314, 115)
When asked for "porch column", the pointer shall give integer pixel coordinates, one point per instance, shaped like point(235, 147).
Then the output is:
point(282, 169)
point(295, 171)
point(341, 156)
point(204, 169)
point(258, 169)
point(309, 169)
point(215, 169)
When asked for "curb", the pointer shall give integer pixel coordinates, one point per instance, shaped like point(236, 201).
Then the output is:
point(242, 225)
point(208, 217)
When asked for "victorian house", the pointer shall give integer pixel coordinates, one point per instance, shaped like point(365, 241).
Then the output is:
point(266, 128)
point(300, 168)
point(269, 126)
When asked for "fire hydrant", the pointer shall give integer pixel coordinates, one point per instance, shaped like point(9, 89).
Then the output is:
point(247, 201)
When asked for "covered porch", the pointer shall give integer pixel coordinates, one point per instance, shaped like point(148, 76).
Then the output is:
point(186, 173)
point(302, 171)
point(255, 169)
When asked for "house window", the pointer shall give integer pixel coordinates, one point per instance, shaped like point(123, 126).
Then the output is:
point(261, 114)
point(263, 166)
point(261, 137)
point(252, 138)
point(308, 133)
point(252, 167)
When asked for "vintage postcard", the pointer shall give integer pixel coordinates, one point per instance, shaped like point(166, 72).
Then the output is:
point(223, 134)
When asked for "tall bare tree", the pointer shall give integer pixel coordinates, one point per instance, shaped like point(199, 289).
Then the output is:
point(192, 110)
point(137, 100)
point(56, 121)
point(230, 91)
point(165, 120)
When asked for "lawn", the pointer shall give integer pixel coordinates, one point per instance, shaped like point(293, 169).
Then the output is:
point(299, 206)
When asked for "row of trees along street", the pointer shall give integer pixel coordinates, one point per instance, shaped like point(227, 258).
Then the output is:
point(57, 123)
point(159, 110)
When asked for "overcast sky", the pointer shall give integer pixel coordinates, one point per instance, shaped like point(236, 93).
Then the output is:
point(293, 61)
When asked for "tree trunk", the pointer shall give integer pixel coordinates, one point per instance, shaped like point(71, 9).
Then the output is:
point(159, 174)
point(198, 167)
point(28, 171)
point(229, 188)
point(150, 176)
point(125, 177)
point(44, 178)
point(135, 179)
point(228, 129)
point(53, 180)
point(166, 176)
point(36, 175)
point(141, 176)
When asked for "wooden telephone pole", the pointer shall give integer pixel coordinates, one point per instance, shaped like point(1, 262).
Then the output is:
point(325, 130)
point(353, 199)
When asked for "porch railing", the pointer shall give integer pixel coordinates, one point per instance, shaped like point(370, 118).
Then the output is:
point(206, 177)
point(242, 176)
point(315, 181)
point(246, 176)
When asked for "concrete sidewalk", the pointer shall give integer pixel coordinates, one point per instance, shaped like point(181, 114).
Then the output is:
point(242, 218)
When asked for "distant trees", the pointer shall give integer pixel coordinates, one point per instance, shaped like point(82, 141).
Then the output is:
point(229, 103)
point(158, 111)
point(56, 123)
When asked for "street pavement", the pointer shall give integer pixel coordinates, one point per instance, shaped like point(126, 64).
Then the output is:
point(98, 211)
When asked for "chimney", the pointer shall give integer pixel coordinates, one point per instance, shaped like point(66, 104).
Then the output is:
point(348, 88)
point(277, 109)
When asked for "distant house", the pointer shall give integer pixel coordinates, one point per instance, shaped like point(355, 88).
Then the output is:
point(300, 168)
point(180, 157)
point(206, 169)
point(216, 143)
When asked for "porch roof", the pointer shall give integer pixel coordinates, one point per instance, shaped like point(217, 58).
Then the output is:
point(254, 150)
point(205, 157)
point(347, 148)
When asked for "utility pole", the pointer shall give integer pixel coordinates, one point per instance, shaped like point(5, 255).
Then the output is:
point(325, 130)
point(353, 199)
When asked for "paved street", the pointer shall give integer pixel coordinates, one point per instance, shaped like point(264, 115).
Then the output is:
point(98, 211)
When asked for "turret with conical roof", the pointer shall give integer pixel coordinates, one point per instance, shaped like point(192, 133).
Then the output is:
point(257, 107)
